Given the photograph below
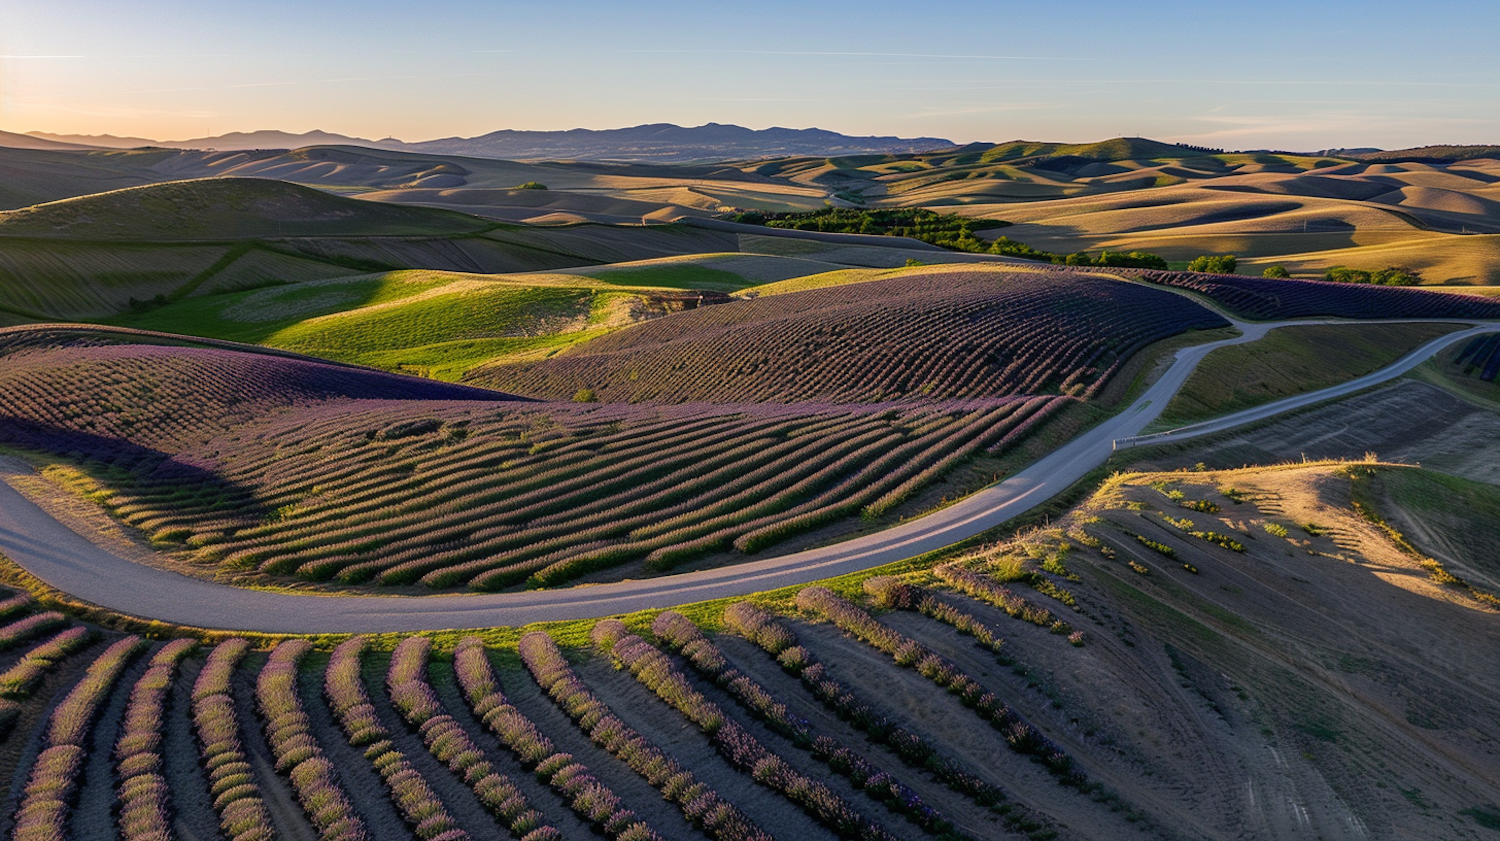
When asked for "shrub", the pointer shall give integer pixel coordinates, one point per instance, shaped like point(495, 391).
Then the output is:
point(1278, 272)
point(1214, 264)
point(531, 185)
point(1388, 276)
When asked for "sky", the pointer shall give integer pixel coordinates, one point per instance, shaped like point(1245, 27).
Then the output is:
point(1272, 74)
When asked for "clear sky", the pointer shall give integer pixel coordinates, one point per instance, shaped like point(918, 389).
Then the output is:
point(1271, 74)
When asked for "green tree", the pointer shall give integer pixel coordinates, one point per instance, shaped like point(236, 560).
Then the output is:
point(1277, 271)
point(1214, 264)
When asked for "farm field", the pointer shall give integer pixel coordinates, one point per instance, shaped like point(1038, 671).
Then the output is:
point(1292, 360)
point(258, 466)
point(405, 385)
point(998, 693)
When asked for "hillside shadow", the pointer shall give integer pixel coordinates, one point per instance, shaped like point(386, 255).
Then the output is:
point(137, 470)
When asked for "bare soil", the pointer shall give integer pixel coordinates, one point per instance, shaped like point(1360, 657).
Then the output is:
point(1313, 685)
point(1407, 421)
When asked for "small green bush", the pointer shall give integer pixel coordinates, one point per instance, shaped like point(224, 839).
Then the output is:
point(1278, 272)
point(1388, 276)
point(1214, 264)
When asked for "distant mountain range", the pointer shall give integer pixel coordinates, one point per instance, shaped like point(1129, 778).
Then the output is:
point(658, 143)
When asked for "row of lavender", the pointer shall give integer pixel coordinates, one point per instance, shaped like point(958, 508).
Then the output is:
point(488, 497)
point(1273, 299)
point(887, 774)
point(945, 335)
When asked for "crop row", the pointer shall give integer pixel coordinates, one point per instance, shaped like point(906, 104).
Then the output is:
point(409, 791)
point(942, 336)
point(591, 799)
point(145, 811)
point(680, 634)
point(906, 652)
point(1269, 298)
point(699, 804)
point(53, 783)
point(777, 640)
point(737, 745)
point(237, 799)
point(296, 750)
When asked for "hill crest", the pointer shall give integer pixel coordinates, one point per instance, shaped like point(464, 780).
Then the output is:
point(224, 208)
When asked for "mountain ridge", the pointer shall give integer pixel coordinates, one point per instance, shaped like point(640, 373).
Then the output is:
point(651, 142)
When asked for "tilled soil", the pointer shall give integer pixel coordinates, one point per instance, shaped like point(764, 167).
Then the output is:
point(1348, 709)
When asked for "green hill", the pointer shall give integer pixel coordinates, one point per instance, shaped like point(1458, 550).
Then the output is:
point(441, 324)
point(217, 209)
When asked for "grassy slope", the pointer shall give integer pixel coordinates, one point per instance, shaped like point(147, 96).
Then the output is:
point(1461, 515)
point(437, 324)
point(1292, 360)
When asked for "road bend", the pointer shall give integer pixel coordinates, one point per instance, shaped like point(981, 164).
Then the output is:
point(68, 561)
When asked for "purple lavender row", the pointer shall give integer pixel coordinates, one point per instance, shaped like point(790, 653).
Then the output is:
point(53, 782)
point(701, 805)
point(742, 750)
point(145, 802)
point(237, 799)
point(296, 749)
point(410, 692)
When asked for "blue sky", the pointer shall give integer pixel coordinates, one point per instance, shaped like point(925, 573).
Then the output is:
point(1265, 75)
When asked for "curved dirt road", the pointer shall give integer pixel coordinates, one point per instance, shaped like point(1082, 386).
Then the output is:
point(62, 558)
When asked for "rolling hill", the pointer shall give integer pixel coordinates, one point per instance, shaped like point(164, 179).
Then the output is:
point(218, 209)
